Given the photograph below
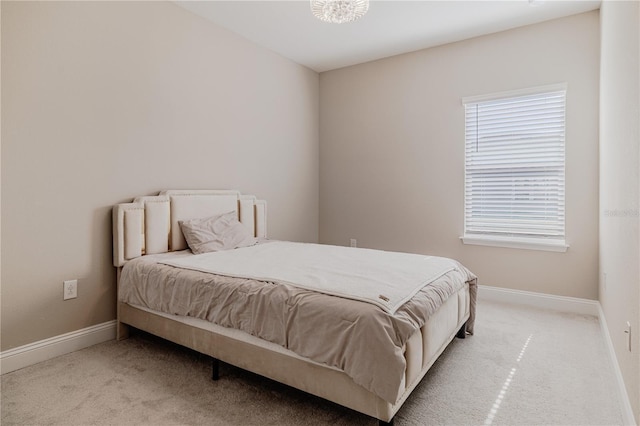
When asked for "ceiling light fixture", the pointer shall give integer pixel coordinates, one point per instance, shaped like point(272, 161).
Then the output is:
point(339, 11)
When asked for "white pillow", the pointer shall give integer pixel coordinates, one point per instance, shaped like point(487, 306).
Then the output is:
point(215, 233)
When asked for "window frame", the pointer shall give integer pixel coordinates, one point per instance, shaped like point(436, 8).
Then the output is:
point(545, 243)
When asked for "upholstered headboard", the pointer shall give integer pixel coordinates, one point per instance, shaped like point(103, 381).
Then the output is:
point(149, 225)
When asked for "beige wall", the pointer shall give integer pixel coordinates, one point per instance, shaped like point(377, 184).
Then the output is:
point(392, 150)
point(105, 101)
point(620, 185)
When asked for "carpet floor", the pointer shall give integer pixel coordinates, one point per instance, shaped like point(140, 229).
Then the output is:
point(524, 366)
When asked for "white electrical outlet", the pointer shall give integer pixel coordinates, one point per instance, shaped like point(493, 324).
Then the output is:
point(70, 289)
point(628, 332)
point(354, 242)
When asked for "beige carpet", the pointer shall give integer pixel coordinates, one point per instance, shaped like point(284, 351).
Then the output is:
point(523, 367)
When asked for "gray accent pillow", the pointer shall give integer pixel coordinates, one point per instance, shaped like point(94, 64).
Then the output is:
point(215, 233)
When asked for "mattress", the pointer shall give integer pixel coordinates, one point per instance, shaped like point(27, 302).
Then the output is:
point(333, 331)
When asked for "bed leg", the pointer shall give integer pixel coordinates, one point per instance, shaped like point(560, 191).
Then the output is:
point(462, 333)
point(122, 331)
point(215, 369)
point(383, 423)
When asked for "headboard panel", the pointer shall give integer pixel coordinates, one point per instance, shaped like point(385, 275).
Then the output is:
point(149, 225)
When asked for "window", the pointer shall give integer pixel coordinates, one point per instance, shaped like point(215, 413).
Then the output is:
point(514, 169)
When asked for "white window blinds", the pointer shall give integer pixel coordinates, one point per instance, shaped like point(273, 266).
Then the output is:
point(514, 165)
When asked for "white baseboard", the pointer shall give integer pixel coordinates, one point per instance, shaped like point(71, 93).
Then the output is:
point(573, 305)
point(627, 412)
point(30, 354)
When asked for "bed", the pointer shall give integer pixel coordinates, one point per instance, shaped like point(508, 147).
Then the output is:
point(390, 339)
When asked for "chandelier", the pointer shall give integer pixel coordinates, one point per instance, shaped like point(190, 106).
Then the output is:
point(339, 11)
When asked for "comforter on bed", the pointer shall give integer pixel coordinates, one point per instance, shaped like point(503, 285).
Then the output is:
point(384, 278)
point(356, 337)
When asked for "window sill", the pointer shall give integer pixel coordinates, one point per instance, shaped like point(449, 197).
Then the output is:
point(517, 243)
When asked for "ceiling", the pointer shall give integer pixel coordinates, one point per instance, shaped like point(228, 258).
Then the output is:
point(389, 28)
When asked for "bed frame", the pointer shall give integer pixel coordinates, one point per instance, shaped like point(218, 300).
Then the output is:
point(149, 225)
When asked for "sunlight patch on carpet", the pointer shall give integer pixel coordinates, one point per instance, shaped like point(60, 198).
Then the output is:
point(505, 386)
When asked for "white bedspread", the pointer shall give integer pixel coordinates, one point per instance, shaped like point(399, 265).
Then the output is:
point(386, 279)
